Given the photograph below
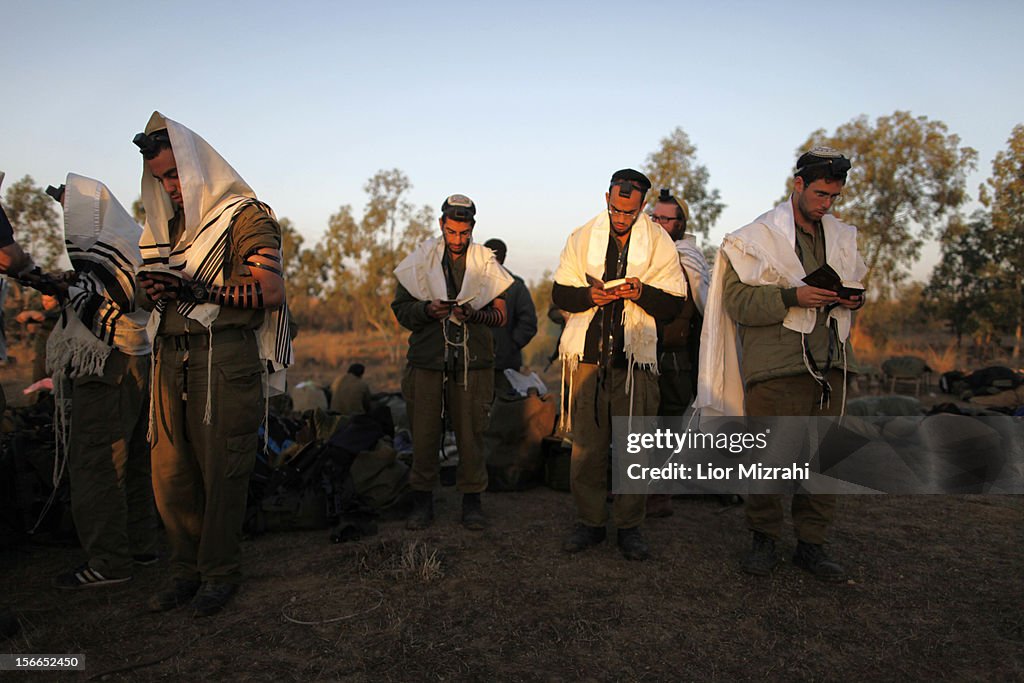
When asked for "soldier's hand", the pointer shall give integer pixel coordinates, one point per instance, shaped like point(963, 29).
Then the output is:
point(814, 297)
point(598, 295)
point(159, 286)
point(630, 289)
point(438, 309)
point(853, 303)
point(462, 312)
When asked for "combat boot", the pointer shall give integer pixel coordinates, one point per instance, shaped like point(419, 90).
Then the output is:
point(813, 558)
point(582, 537)
point(422, 510)
point(762, 558)
point(632, 544)
point(472, 514)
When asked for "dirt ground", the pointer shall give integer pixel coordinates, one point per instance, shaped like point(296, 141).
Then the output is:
point(935, 592)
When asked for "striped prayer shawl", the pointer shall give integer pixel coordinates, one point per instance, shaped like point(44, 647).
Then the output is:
point(102, 243)
point(212, 193)
point(203, 260)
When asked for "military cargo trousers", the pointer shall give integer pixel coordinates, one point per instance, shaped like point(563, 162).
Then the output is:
point(593, 405)
point(201, 470)
point(468, 405)
point(109, 466)
point(797, 395)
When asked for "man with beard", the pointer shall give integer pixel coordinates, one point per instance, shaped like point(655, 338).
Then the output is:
point(609, 347)
point(793, 339)
point(448, 295)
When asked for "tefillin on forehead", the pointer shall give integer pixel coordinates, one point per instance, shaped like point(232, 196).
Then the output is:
point(57, 193)
point(627, 181)
point(150, 144)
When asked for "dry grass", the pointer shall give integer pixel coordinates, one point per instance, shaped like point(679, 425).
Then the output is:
point(937, 350)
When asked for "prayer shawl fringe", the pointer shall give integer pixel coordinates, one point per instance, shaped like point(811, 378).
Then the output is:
point(652, 259)
point(763, 253)
point(212, 193)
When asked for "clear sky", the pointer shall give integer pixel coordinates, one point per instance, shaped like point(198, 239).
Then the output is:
point(527, 107)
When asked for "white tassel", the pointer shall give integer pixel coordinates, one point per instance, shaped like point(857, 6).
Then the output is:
point(208, 415)
point(150, 430)
point(265, 375)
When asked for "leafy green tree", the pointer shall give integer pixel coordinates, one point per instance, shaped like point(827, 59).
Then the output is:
point(964, 282)
point(1003, 195)
point(361, 255)
point(909, 173)
point(674, 165)
point(36, 222)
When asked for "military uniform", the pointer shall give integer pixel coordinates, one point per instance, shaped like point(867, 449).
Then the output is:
point(465, 388)
point(201, 470)
point(600, 391)
point(777, 381)
point(109, 464)
point(350, 395)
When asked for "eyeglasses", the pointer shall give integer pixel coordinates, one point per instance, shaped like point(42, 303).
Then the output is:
point(662, 219)
point(622, 214)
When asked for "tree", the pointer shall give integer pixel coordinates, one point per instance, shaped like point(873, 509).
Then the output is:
point(139, 211)
point(674, 165)
point(908, 174)
point(36, 222)
point(367, 251)
point(1003, 195)
point(963, 283)
point(291, 249)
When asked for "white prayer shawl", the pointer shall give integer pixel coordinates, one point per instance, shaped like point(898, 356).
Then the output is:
point(422, 275)
point(652, 259)
point(212, 193)
point(695, 267)
point(103, 244)
point(763, 253)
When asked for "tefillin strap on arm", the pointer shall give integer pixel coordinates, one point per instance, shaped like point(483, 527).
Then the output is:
point(264, 266)
point(491, 317)
point(238, 296)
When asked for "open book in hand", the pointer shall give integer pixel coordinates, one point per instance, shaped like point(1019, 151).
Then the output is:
point(827, 278)
point(614, 284)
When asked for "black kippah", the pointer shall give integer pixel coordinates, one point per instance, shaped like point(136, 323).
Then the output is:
point(629, 179)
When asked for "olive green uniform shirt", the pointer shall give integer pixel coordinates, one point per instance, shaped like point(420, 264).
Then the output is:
point(769, 349)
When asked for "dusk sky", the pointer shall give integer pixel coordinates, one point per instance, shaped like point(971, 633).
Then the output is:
point(526, 107)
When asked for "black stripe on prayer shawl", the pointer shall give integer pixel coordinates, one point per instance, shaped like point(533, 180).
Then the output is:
point(106, 251)
point(87, 313)
point(283, 336)
point(108, 280)
point(87, 305)
point(211, 222)
point(108, 323)
point(207, 270)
